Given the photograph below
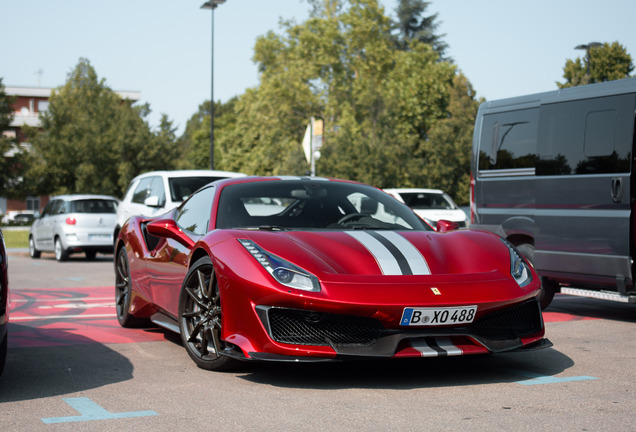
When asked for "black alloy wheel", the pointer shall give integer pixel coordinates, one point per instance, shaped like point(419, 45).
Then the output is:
point(200, 318)
point(123, 291)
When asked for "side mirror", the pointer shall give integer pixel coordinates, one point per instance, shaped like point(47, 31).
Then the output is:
point(152, 201)
point(446, 226)
point(167, 228)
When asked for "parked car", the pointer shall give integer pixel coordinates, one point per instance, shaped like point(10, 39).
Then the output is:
point(19, 217)
point(431, 205)
point(4, 302)
point(157, 192)
point(74, 223)
point(310, 269)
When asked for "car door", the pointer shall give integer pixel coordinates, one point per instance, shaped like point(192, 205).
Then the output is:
point(43, 227)
point(582, 189)
point(168, 263)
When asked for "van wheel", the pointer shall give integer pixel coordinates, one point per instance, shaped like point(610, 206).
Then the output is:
point(548, 287)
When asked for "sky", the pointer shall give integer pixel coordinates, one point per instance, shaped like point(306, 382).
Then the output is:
point(162, 48)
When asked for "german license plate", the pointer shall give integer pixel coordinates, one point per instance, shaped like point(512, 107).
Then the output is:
point(438, 316)
point(99, 236)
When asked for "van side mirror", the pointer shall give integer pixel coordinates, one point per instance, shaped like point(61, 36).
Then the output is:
point(446, 226)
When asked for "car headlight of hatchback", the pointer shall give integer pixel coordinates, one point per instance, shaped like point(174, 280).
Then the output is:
point(519, 269)
point(283, 271)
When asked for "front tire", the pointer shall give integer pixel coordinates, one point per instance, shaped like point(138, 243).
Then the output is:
point(123, 293)
point(200, 318)
point(548, 287)
point(60, 252)
point(33, 251)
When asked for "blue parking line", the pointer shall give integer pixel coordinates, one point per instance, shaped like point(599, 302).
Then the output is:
point(547, 379)
point(89, 411)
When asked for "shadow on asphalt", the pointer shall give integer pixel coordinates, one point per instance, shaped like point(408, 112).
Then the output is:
point(584, 307)
point(32, 373)
point(405, 374)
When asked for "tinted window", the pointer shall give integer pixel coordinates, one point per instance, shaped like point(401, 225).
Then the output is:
point(509, 140)
point(591, 136)
point(426, 201)
point(92, 206)
point(49, 207)
point(312, 204)
point(194, 214)
point(182, 187)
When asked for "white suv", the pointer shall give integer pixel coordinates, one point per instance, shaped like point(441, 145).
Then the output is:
point(157, 192)
point(431, 205)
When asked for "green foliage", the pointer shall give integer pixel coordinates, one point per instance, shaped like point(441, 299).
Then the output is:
point(395, 114)
point(607, 62)
point(12, 156)
point(412, 25)
point(91, 141)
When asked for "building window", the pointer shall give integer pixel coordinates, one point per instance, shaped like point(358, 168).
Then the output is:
point(33, 203)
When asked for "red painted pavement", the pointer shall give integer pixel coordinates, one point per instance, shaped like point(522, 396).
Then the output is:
point(75, 316)
point(70, 316)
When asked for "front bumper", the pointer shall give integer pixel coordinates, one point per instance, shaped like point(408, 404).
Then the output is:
point(320, 336)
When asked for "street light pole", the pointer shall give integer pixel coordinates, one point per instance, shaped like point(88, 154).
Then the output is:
point(587, 55)
point(212, 4)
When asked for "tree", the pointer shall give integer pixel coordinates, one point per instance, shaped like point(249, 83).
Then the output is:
point(91, 141)
point(392, 114)
point(11, 154)
point(195, 141)
point(607, 62)
point(412, 25)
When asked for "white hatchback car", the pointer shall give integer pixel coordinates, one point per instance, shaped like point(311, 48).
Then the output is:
point(431, 205)
point(74, 223)
point(157, 192)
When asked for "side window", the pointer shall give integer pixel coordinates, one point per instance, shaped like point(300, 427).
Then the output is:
point(48, 208)
point(509, 140)
point(57, 207)
point(142, 191)
point(592, 136)
point(194, 214)
point(157, 190)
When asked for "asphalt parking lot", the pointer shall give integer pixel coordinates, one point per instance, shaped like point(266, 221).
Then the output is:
point(71, 367)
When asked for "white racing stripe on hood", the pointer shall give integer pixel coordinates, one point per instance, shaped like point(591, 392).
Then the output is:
point(394, 254)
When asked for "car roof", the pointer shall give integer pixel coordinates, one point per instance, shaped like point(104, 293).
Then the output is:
point(75, 197)
point(414, 190)
point(190, 173)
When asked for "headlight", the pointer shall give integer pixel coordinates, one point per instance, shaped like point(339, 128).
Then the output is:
point(283, 271)
point(519, 270)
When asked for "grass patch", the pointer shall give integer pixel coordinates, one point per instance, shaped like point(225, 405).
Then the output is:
point(16, 238)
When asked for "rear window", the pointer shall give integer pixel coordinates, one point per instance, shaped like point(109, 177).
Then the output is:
point(92, 206)
point(182, 187)
point(427, 201)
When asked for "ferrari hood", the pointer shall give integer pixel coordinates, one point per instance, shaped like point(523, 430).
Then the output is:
point(389, 253)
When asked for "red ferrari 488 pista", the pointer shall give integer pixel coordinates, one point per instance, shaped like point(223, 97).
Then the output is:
point(310, 269)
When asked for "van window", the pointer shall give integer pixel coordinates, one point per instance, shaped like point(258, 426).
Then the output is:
point(590, 136)
point(509, 140)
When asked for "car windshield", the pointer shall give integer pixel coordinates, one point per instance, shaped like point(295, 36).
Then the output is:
point(427, 201)
point(312, 204)
point(92, 206)
point(182, 187)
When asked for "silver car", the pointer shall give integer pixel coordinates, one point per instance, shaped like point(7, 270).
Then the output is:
point(74, 223)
